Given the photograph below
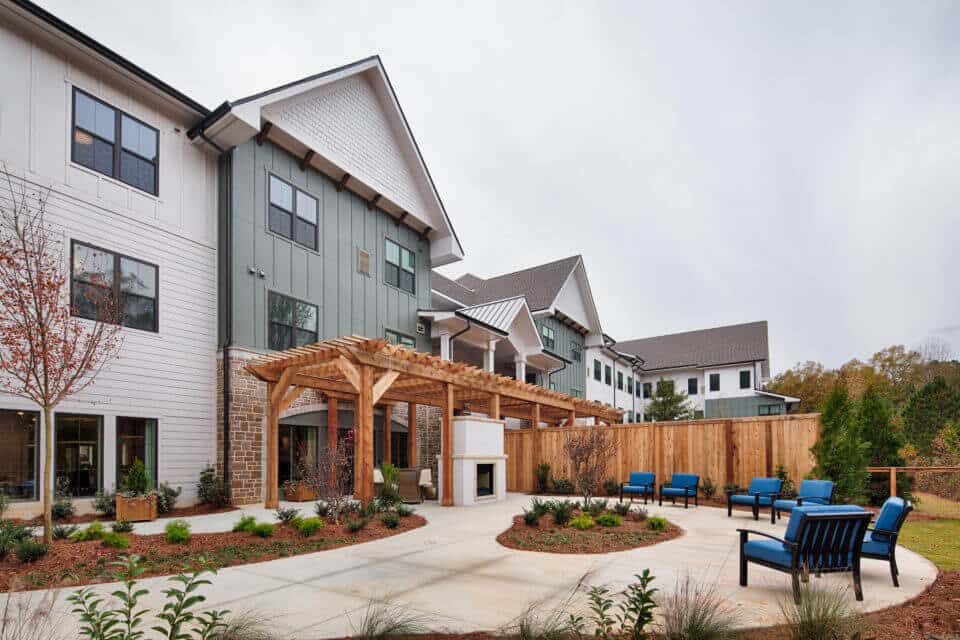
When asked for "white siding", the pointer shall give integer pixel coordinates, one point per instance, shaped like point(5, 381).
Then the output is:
point(169, 375)
point(609, 394)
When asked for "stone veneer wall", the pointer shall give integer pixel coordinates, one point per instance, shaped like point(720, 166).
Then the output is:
point(428, 433)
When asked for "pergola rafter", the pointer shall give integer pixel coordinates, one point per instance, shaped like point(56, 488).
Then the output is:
point(371, 371)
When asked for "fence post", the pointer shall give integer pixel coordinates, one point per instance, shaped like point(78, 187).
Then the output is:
point(893, 482)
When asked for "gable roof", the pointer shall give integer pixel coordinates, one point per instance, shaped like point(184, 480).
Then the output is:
point(498, 315)
point(540, 284)
point(703, 348)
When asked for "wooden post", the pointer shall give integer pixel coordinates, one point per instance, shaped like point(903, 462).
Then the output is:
point(572, 418)
point(893, 482)
point(495, 406)
point(446, 445)
point(333, 433)
point(730, 457)
point(535, 434)
point(272, 500)
point(412, 434)
point(363, 438)
point(387, 435)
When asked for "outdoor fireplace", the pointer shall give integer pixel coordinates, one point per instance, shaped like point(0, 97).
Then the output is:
point(484, 479)
point(479, 464)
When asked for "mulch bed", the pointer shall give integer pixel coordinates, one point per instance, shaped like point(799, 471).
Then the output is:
point(70, 563)
point(182, 512)
point(548, 537)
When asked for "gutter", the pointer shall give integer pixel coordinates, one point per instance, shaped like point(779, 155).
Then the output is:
point(458, 333)
point(227, 172)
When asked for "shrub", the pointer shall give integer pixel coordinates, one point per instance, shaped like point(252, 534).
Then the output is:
point(639, 515)
point(622, 508)
point(11, 534)
point(708, 487)
point(137, 480)
point(543, 477)
point(94, 531)
point(115, 540)
point(178, 531)
point(695, 611)
point(308, 526)
point(286, 516)
point(787, 489)
point(823, 613)
point(389, 495)
point(582, 522)
point(385, 620)
point(30, 550)
point(609, 520)
point(635, 610)
point(122, 526)
point(403, 510)
point(355, 524)
point(322, 509)
point(64, 531)
point(105, 503)
point(4, 504)
point(611, 486)
point(390, 519)
point(531, 518)
point(562, 511)
point(245, 524)
point(211, 489)
point(657, 523)
point(262, 530)
point(540, 507)
point(167, 498)
point(562, 486)
point(62, 508)
point(596, 507)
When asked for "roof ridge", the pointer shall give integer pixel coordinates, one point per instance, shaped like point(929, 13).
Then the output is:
point(531, 268)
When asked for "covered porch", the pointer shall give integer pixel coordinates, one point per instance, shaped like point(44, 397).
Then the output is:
point(372, 372)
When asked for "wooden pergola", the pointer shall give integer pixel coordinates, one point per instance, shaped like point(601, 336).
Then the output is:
point(373, 371)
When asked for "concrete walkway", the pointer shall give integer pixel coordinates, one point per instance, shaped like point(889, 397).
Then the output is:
point(454, 573)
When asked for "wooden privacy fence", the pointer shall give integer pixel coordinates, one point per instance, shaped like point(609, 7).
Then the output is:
point(724, 450)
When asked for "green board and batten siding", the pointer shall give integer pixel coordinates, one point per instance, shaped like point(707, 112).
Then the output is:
point(739, 407)
point(573, 375)
point(348, 301)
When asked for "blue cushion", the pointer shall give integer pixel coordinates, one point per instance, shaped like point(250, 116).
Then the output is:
point(684, 480)
point(875, 547)
point(821, 489)
point(768, 551)
point(643, 477)
point(765, 485)
point(674, 492)
point(749, 500)
point(785, 505)
point(641, 490)
point(889, 514)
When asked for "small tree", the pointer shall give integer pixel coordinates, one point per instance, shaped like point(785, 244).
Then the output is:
point(331, 476)
point(590, 452)
point(840, 452)
point(47, 353)
point(668, 404)
point(928, 411)
point(885, 439)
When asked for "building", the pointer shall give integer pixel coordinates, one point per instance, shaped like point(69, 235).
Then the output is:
point(613, 378)
point(722, 370)
point(105, 143)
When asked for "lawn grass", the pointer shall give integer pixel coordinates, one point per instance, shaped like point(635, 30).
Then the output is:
point(935, 505)
point(934, 539)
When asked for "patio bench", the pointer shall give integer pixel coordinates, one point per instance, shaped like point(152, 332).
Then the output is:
point(642, 483)
point(881, 541)
point(819, 538)
point(763, 492)
point(682, 485)
point(810, 492)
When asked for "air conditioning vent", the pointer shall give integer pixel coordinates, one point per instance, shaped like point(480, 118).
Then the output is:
point(363, 261)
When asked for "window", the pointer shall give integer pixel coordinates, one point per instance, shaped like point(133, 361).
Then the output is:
point(770, 410)
point(549, 337)
point(596, 370)
point(714, 382)
point(136, 440)
point(576, 351)
point(532, 377)
point(630, 385)
point(647, 389)
point(292, 323)
point(400, 267)
point(665, 387)
point(576, 393)
point(629, 417)
point(77, 453)
point(96, 129)
point(99, 277)
point(293, 213)
point(607, 374)
point(691, 386)
point(620, 380)
point(19, 432)
point(363, 261)
point(400, 339)
point(296, 450)
point(745, 379)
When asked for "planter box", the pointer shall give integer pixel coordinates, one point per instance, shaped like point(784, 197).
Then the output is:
point(298, 492)
point(137, 509)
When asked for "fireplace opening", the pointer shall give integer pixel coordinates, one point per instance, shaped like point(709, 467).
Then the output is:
point(484, 480)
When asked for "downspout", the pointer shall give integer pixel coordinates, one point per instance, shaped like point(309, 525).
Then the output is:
point(458, 333)
point(227, 172)
point(553, 371)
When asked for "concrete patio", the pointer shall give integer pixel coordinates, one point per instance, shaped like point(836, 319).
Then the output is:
point(454, 573)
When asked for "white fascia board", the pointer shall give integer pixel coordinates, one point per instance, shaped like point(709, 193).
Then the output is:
point(434, 292)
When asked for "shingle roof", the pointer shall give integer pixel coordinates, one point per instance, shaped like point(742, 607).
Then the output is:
point(704, 348)
point(539, 285)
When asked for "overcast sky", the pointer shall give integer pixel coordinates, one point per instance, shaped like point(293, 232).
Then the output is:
point(713, 162)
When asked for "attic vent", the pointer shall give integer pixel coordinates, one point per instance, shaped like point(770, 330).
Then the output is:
point(363, 261)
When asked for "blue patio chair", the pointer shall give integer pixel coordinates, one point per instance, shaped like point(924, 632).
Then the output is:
point(642, 483)
point(819, 538)
point(881, 542)
point(682, 485)
point(763, 492)
point(810, 492)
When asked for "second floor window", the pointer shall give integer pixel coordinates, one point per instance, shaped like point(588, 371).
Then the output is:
point(745, 379)
point(400, 339)
point(714, 382)
point(607, 374)
point(691, 386)
point(293, 213)
point(292, 323)
point(400, 267)
point(101, 278)
point(597, 370)
point(576, 352)
point(620, 380)
point(549, 337)
point(630, 385)
point(647, 388)
point(114, 144)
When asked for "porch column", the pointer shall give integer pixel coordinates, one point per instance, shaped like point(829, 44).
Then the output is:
point(488, 355)
point(446, 445)
point(521, 364)
point(333, 432)
point(572, 418)
point(444, 344)
point(495, 406)
point(272, 497)
point(387, 419)
point(412, 434)
point(363, 438)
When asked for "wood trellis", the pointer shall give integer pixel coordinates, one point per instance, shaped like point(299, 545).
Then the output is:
point(373, 371)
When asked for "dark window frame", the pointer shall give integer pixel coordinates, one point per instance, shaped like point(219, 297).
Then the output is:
point(576, 351)
point(100, 447)
point(117, 257)
point(293, 214)
point(117, 143)
point(400, 335)
point(293, 328)
point(749, 378)
point(647, 390)
point(608, 375)
point(620, 380)
point(37, 479)
point(597, 370)
point(399, 266)
point(549, 342)
point(576, 393)
point(714, 377)
point(693, 386)
point(630, 385)
point(153, 473)
point(768, 412)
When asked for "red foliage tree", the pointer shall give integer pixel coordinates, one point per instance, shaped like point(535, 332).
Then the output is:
point(46, 353)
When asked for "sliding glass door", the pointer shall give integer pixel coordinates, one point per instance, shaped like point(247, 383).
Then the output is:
point(137, 440)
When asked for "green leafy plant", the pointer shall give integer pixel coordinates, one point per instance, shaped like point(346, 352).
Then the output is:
point(167, 497)
point(62, 508)
point(390, 519)
point(622, 508)
point(657, 523)
point(582, 522)
point(787, 488)
point(211, 488)
point(356, 523)
point(137, 480)
point(824, 613)
point(30, 550)
point(308, 526)
point(609, 520)
point(600, 604)
point(178, 531)
point(561, 511)
point(287, 515)
point(322, 509)
point(4, 504)
point(262, 530)
point(114, 540)
point(389, 493)
point(105, 503)
point(404, 510)
point(245, 524)
point(93, 531)
point(636, 607)
point(531, 518)
point(543, 477)
point(64, 531)
point(611, 486)
point(708, 487)
point(122, 526)
point(596, 507)
point(11, 534)
point(562, 486)
point(540, 507)
point(695, 611)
